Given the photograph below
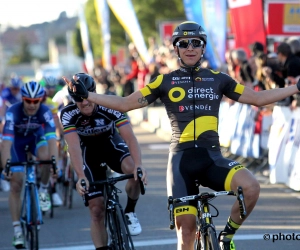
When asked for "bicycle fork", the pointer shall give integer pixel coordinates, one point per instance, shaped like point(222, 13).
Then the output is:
point(26, 216)
point(203, 224)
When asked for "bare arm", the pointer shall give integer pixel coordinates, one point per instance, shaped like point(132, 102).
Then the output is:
point(72, 139)
point(133, 145)
point(127, 134)
point(123, 104)
point(134, 101)
point(262, 98)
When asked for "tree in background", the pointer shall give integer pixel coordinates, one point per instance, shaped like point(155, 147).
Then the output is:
point(23, 55)
point(149, 14)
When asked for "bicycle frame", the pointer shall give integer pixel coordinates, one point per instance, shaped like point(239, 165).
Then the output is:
point(206, 238)
point(31, 214)
point(30, 184)
point(115, 221)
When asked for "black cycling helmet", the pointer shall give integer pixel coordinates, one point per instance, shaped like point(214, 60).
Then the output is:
point(188, 29)
point(88, 82)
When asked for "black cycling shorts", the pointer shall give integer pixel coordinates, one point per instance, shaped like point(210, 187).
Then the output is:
point(206, 166)
point(112, 151)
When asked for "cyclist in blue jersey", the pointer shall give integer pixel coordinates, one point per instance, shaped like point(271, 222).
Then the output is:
point(192, 96)
point(27, 123)
point(12, 94)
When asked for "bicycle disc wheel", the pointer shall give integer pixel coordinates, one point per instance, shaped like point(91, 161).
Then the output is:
point(212, 237)
point(125, 240)
point(32, 230)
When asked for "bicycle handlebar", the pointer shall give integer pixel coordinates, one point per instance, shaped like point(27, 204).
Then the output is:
point(114, 180)
point(205, 196)
point(29, 162)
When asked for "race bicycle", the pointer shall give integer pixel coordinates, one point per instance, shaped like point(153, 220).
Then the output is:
point(115, 220)
point(68, 175)
point(206, 237)
point(31, 215)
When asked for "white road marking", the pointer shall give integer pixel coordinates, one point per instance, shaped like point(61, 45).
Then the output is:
point(159, 146)
point(157, 242)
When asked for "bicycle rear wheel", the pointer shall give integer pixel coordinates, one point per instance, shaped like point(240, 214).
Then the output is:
point(125, 240)
point(32, 229)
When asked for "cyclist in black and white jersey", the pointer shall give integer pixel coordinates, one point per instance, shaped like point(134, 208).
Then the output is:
point(192, 97)
point(95, 135)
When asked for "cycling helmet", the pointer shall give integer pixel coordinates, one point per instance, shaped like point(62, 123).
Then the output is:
point(16, 82)
point(190, 29)
point(89, 83)
point(50, 82)
point(32, 89)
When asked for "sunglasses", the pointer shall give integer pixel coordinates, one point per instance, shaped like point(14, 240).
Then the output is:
point(184, 44)
point(30, 100)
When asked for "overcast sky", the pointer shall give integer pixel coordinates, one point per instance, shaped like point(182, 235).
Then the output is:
point(26, 12)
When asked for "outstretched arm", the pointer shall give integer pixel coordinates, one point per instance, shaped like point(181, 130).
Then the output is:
point(265, 97)
point(123, 104)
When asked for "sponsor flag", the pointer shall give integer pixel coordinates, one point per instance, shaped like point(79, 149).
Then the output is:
point(247, 20)
point(102, 11)
point(283, 17)
point(88, 55)
point(208, 13)
point(124, 12)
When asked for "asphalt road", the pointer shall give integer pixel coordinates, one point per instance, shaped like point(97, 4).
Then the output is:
point(276, 214)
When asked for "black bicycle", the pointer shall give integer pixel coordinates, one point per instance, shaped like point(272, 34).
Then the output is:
point(206, 237)
point(115, 220)
point(31, 216)
point(68, 176)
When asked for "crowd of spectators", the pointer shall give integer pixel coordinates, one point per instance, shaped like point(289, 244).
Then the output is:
point(267, 70)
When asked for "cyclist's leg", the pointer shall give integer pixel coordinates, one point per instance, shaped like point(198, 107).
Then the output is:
point(227, 174)
point(16, 183)
point(41, 150)
point(122, 162)
point(93, 172)
point(98, 231)
point(183, 168)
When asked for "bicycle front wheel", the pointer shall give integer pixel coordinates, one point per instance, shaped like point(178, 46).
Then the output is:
point(212, 238)
point(125, 240)
point(111, 228)
point(32, 227)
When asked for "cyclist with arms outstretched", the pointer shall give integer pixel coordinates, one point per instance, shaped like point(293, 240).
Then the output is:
point(192, 97)
point(27, 123)
point(97, 135)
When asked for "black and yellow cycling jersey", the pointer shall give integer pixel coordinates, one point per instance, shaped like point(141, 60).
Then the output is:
point(192, 99)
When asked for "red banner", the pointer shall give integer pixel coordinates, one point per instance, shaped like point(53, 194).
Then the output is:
point(166, 29)
point(283, 18)
point(247, 22)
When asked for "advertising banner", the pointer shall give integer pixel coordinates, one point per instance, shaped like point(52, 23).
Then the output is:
point(247, 20)
point(208, 13)
point(283, 17)
point(124, 12)
point(102, 11)
point(88, 55)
